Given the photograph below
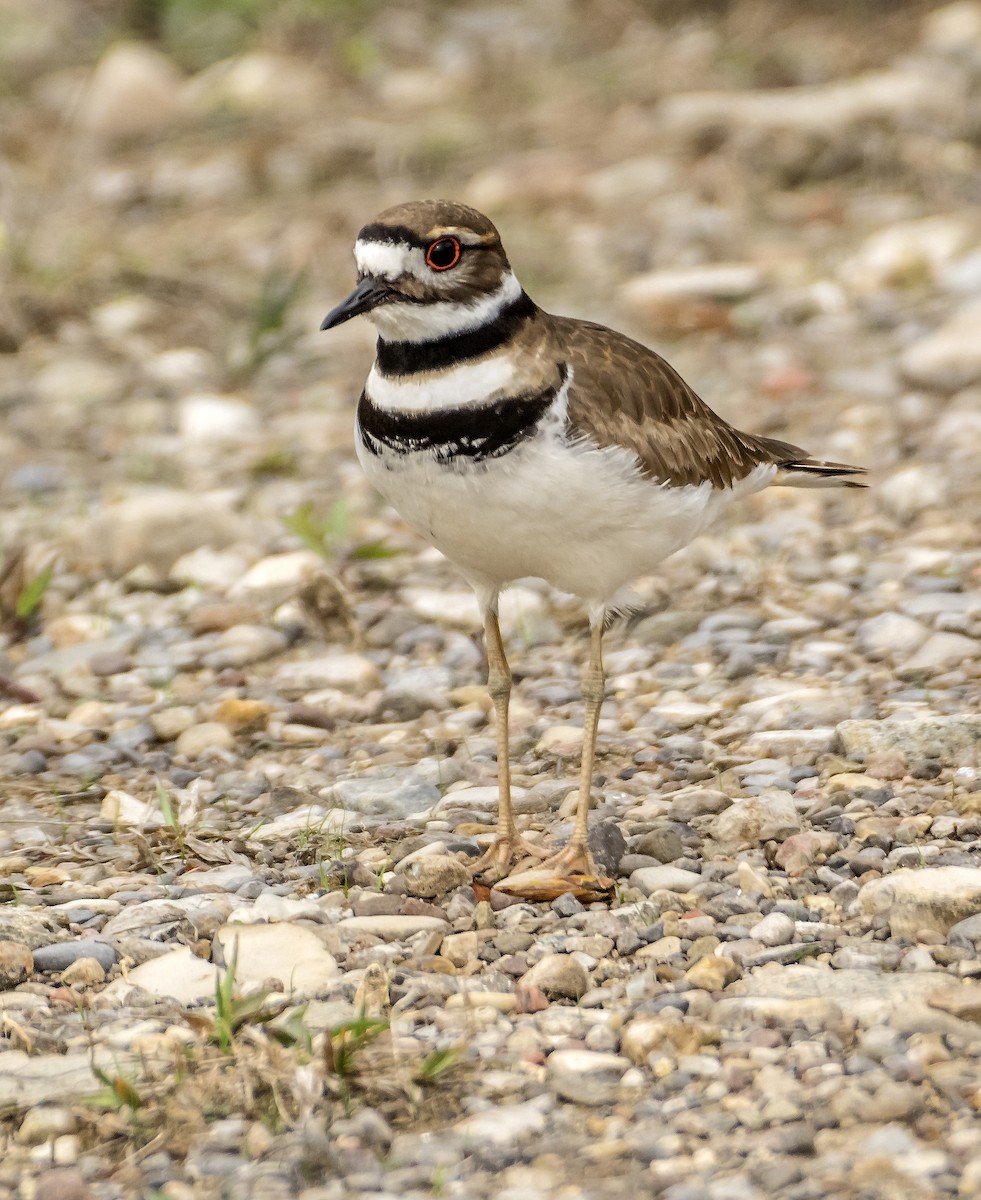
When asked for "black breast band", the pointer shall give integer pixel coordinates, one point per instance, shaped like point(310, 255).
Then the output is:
point(475, 432)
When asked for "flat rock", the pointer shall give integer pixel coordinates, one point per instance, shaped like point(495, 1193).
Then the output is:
point(391, 929)
point(664, 879)
point(585, 1076)
point(505, 1125)
point(291, 954)
point(771, 816)
point(393, 795)
point(947, 739)
point(309, 819)
point(179, 974)
point(869, 996)
point(934, 898)
point(61, 955)
point(950, 357)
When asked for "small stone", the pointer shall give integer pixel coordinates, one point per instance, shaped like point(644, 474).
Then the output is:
point(134, 92)
point(698, 802)
point(664, 878)
point(564, 741)
point(343, 672)
point(947, 739)
point(950, 357)
point(83, 972)
point(641, 1036)
point(62, 1183)
point(200, 740)
point(559, 976)
point(211, 421)
point(44, 1122)
point(891, 635)
point(607, 846)
point(241, 715)
point(391, 929)
point(16, 963)
point(170, 723)
point(663, 844)
point(931, 898)
point(776, 929)
point(940, 651)
point(771, 816)
point(802, 850)
point(584, 1076)
point(61, 955)
point(963, 1002)
point(289, 953)
point(712, 974)
point(460, 948)
point(435, 875)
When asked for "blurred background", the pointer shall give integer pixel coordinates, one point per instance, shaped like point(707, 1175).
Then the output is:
point(781, 197)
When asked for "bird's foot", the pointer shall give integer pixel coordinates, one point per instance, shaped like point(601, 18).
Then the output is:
point(495, 863)
point(573, 859)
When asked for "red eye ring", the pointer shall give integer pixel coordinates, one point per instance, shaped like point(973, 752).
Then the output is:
point(443, 254)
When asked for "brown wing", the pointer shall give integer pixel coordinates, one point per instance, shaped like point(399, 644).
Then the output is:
point(645, 406)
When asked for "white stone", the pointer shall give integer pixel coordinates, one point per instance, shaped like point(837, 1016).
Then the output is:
point(277, 577)
point(178, 974)
point(912, 490)
point(664, 879)
point(199, 740)
point(122, 809)
point(754, 819)
point(941, 651)
point(891, 635)
point(905, 253)
point(134, 91)
point(950, 357)
point(210, 420)
point(391, 929)
point(776, 929)
point(929, 898)
point(719, 281)
point(313, 820)
point(345, 672)
point(291, 954)
point(585, 1076)
point(561, 740)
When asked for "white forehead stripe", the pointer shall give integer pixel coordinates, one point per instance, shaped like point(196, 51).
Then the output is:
point(389, 260)
point(407, 322)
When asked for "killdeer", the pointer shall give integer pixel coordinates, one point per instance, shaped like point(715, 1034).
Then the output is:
point(524, 444)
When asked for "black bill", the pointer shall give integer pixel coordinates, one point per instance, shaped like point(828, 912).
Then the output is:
point(367, 295)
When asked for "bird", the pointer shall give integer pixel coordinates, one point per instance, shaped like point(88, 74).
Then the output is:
point(523, 444)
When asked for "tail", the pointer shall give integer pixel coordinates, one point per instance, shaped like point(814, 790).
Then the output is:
point(810, 472)
point(796, 469)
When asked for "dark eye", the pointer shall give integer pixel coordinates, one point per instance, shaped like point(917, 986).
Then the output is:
point(443, 254)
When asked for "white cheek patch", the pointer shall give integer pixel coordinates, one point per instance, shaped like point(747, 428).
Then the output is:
point(389, 260)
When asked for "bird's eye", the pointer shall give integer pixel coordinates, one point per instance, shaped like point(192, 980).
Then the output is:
point(443, 254)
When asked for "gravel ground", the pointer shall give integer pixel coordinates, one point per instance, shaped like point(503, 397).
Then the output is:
point(243, 728)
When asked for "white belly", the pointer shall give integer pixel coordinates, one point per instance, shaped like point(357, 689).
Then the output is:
point(582, 518)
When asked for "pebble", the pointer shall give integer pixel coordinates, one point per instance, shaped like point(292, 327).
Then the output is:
point(664, 878)
point(771, 816)
point(558, 976)
point(207, 737)
point(585, 1076)
point(934, 898)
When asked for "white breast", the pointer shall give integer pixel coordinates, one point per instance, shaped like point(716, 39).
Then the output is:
point(583, 518)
